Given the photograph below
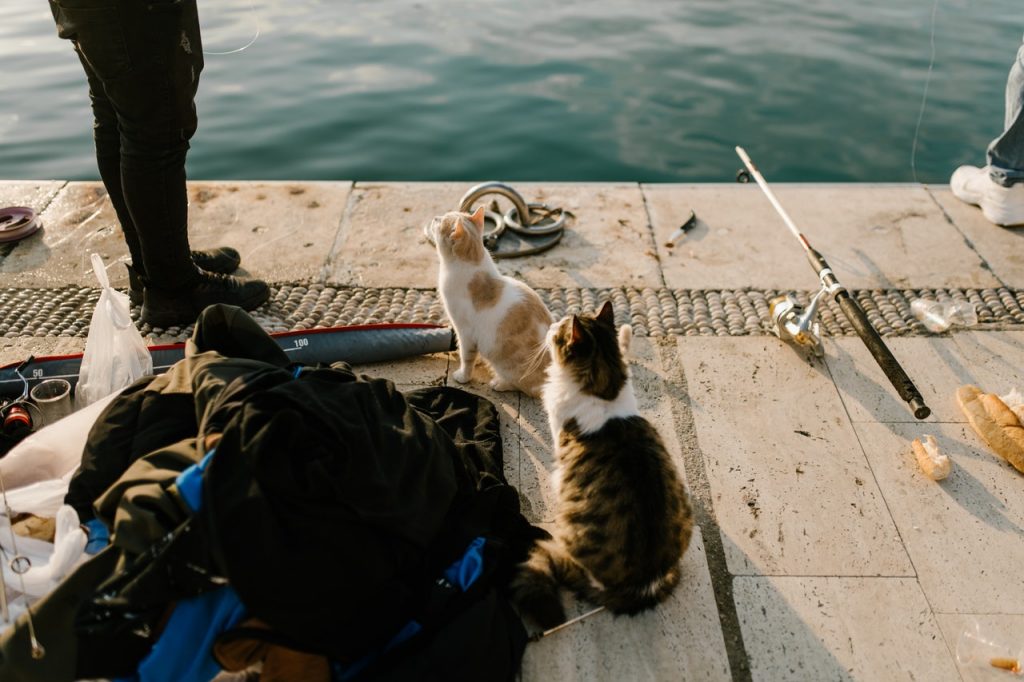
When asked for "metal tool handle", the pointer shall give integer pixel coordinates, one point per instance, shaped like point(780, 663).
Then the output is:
point(883, 356)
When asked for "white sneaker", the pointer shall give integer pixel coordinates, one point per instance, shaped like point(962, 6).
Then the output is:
point(1003, 206)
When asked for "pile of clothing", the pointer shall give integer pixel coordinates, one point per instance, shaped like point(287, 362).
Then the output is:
point(305, 522)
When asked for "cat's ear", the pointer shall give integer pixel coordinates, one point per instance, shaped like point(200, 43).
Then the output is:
point(577, 331)
point(607, 315)
point(459, 232)
point(478, 218)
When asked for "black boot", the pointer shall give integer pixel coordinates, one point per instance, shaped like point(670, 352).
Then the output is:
point(168, 308)
point(222, 259)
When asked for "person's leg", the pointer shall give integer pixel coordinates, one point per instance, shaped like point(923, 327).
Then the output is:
point(154, 102)
point(997, 188)
point(141, 90)
point(1006, 153)
point(106, 135)
point(145, 57)
point(108, 159)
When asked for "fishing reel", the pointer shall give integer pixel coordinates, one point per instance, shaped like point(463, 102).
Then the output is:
point(15, 419)
point(791, 322)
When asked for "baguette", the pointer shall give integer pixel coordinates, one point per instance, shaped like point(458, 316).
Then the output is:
point(997, 425)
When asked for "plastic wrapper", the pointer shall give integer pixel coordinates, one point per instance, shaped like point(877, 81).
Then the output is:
point(115, 353)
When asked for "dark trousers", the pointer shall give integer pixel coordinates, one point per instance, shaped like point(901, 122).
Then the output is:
point(142, 59)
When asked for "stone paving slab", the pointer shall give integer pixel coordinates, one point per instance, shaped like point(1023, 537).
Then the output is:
point(869, 396)
point(938, 366)
point(608, 243)
point(829, 628)
point(426, 370)
point(35, 194)
point(79, 221)
point(791, 488)
point(797, 491)
point(284, 230)
point(680, 640)
point(1005, 630)
point(873, 236)
point(16, 350)
point(536, 463)
point(964, 534)
point(1002, 248)
point(381, 242)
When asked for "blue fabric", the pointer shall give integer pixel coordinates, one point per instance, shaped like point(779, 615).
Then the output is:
point(99, 536)
point(183, 652)
point(190, 482)
point(466, 570)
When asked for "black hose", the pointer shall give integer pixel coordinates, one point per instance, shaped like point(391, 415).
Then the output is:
point(354, 345)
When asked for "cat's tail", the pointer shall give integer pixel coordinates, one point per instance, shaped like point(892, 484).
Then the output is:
point(632, 600)
point(535, 588)
point(625, 337)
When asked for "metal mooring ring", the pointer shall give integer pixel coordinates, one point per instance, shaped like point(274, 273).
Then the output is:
point(491, 236)
point(532, 228)
point(485, 188)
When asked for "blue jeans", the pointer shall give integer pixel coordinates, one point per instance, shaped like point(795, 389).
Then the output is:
point(1006, 153)
point(142, 59)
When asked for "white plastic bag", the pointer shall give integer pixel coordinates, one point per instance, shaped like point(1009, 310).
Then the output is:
point(51, 562)
point(52, 452)
point(115, 354)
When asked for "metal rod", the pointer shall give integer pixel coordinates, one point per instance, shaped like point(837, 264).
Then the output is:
point(851, 309)
point(37, 649)
point(756, 174)
point(571, 621)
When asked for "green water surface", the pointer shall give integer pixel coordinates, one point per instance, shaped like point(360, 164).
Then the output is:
point(649, 90)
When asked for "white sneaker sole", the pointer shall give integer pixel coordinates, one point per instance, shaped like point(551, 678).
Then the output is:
point(1001, 215)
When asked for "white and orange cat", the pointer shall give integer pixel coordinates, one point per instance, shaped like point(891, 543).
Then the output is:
point(495, 316)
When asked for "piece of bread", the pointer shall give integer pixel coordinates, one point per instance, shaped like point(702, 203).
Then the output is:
point(997, 425)
point(933, 463)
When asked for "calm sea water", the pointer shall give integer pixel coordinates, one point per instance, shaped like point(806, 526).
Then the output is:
point(654, 90)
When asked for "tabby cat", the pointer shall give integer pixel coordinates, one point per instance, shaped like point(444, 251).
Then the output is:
point(498, 317)
point(624, 517)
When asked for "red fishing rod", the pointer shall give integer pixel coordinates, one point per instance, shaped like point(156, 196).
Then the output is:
point(851, 309)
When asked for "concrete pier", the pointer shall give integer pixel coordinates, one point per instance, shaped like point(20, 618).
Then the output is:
point(822, 552)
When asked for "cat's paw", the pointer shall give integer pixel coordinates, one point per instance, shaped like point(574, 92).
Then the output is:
point(501, 385)
point(461, 376)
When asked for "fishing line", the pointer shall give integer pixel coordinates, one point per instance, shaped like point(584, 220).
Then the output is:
point(924, 97)
point(256, 21)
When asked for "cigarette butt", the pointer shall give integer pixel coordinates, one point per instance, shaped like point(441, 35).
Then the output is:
point(933, 463)
point(1011, 664)
point(691, 221)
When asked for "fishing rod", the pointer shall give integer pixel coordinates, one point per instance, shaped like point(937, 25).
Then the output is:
point(804, 329)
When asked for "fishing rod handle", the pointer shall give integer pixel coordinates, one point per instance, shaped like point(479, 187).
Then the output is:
point(883, 356)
